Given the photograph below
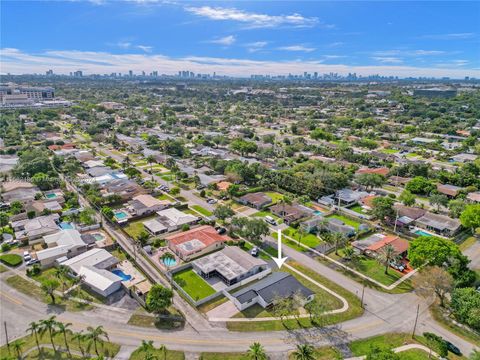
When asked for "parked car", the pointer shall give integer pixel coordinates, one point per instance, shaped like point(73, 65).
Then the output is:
point(201, 187)
point(270, 220)
point(220, 230)
point(26, 256)
point(453, 349)
point(32, 262)
point(397, 266)
point(211, 201)
point(255, 252)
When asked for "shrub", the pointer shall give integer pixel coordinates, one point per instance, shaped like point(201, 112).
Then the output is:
point(5, 247)
point(11, 259)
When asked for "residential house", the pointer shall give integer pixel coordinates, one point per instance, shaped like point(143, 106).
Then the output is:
point(379, 171)
point(7, 163)
point(223, 185)
point(34, 229)
point(407, 215)
point(474, 197)
point(463, 158)
point(22, 191)
point(398, 180)
point(257, 200)
point(169, 220)
point(449, 190)
point(145, 204)
point(266, 291)
point(290, 213)
point(94, 266)
point(65, 243)
point(231, 265)
point(196, 242)
point(127, 189)
point(399, 245)
point(440, 224)
point(320, 223)
point(42, 206)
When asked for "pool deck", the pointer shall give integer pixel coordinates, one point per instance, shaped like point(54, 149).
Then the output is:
point(128, 268)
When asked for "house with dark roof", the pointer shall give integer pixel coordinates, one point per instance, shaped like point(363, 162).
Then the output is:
point(257, 200)
point(266, 291)
point(290, 213)
point(440, 224)
point(449, 190)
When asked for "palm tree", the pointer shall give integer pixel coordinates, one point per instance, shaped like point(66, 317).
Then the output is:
point(34, 329)
point(17, 346)
point(151, 159)
point(126, 162)
point(49, 325)
point(61, 273)
point(167, 256)
point(386, 255)
point(64, 329)
point(80, 337)
point(304, 352)
point(49, 286)
point(96, 335)
point(147, 347)
point(256, 352)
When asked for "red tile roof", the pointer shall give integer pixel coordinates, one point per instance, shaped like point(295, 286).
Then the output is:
point(206, 234)
point(400, 245)
point(380, 171)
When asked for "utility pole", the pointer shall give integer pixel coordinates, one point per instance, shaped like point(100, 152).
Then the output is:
point(6, 335)
point(416, 319)
point(363, 293)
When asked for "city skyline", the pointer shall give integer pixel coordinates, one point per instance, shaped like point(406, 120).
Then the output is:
point(242, 38)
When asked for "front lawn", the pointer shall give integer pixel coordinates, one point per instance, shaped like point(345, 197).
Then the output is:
point(276, 197)
point(158, 354)
point(11, 259)
point(223, 356)
point(135, 228)
point(358, 209)
point(322, 353)
point(308, 239)
point(346, 220)
point(193, 284)
point(202, 210)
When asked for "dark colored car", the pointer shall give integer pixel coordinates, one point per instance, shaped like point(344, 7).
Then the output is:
point(453, 349)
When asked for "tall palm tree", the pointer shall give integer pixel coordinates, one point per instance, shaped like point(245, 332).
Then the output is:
point(34, 329)
point(256, 352)
point(96, 335)
point(147, 347)
point(17, 346)
point(126, 162)
point(386, 255)
point(151, 159)
point(49, 325)
point(64, 329)
point(337, 238)
point(61, 273)
point(304, 352)
point(80, 337)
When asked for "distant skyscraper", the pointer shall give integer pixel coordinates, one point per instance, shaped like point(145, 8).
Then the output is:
point(130, 73)
point(78, 73)
point(49, 72)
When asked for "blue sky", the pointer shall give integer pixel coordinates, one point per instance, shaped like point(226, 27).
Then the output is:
point(423, 38)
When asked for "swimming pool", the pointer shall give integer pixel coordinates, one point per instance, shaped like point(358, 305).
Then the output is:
point(120, 215)
point(51, 196)
point(66, 226)
point(422, 233)
point(121, 274)
point(317, 212)
point(169, 261)
point(98, 236)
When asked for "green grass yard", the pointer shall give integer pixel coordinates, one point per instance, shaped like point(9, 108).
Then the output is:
point(202, 210)
point(193, 284)
point(346, 220)
point(308, 239)
point(135, 228)
point(12, 260)
point(276, 197)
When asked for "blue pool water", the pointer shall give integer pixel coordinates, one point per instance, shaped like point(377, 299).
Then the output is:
point(120, 215)
point(422, 233)
point(318, 212)
point(51, 196)
point(121, 274)
point(66, 226)
point(98, 236)
point(169, 261)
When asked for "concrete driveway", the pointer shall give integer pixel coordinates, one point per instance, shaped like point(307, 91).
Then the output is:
point(225, 310)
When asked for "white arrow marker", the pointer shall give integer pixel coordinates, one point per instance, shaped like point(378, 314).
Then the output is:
point(279, 260)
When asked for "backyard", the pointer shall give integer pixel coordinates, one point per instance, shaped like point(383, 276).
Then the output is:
point(193, 284)
point(346, 220)
point(135, 228)
point(202, 210)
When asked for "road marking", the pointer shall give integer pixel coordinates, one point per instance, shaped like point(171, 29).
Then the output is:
point(12, 299)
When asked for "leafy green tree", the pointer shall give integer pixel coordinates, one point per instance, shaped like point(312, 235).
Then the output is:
point(143, 237)
point(17, 346)
point(175, 191)
point(108, 212)
point(434, 280)
point(407, 198)
point(243, 147)
point(456, 207)
point(256, 352)
point(3, 218)
point(370, 181)
point(419, 185)
point(432, 249)
point(223, 212)
point(470, 217)
point(44, 181)
point(465, 304)
point(251, 229)
point(387, 254)
point(381, 353)
point(438, 200)
point(16, 207)
point(61, 273)
point(436, 342)
point(382, 208)
point(159, 298)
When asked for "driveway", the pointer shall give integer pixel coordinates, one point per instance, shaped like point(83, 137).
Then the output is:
point(473, 253)
point(225, 310)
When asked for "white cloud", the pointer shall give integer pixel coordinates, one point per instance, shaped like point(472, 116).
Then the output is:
point(145, 48)
point(62, 62)
point(450, 36)
point(129, 45)
point(226, 40)
point(387, 59)
point(256, 46)
point(253, 20)
point(428, 52)
point(124, 44)
point(296, 48)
